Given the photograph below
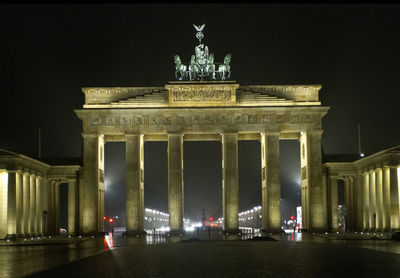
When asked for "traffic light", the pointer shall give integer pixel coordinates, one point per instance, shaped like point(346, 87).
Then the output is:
point(104, 218)
point(211, 219)
point(111, 220)
point(292, 217)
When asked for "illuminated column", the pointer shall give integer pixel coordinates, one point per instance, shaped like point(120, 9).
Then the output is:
point(56, 197)
point(32, 210)
point(92, 150)
point(366, 204)
point(386, 198)
point(311, 175)
point(379, 200)
point(372, 201)
point(26, 204)
point(394, 197)
point(134, 185)
point(72, 207)
point(175, 182)
point(271, 188)
point(44, 215)
point(347, 186)
point(325, 198)
point(305, 192)
point(80, 189)
point(38, 218)
point(52, 208)
point(3, 202)
point(19, 204)
point(358, 193)
point(333, 188)
point(10, 186)
point(351, 203)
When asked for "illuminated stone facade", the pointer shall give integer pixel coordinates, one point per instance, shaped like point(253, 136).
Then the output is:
point(371, 191)
point(209, 111)
point(30, 196)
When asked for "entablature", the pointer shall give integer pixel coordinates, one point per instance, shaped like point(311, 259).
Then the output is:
point(201, 120)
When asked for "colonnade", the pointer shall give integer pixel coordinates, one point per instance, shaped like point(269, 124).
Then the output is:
point(371, 198)
point(30, 204)
point(271, 191)
point(26, 202)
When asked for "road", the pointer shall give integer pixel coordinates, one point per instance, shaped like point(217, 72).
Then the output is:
point(300, 255)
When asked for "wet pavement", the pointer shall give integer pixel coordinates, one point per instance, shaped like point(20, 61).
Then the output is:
point(194, 255)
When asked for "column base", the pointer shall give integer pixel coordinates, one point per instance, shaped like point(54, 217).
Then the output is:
point(176, 233)
point(134, 233)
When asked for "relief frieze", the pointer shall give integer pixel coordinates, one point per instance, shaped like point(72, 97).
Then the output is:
point(205, 119)
point(201, 96)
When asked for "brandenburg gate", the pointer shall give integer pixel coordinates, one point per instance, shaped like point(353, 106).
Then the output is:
point(202, 111)
point(202, 105)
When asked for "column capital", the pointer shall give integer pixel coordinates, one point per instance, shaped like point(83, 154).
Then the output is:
point(134, 134)
point(170, 132)
point(268, 132)
point(89, 135)
point(230, 132)
point(315, 131)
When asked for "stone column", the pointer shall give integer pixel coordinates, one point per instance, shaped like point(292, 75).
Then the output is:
point(271, 188)
point(366, 206)
point(334, 203)
point(317, 202)
point(72, 207)
point(19, 206)
point(175, 182)
point(80, 186)
point(305, 192)
point(3, 202)
point(394, 198)
point(26, 204)
point(372, 201)
point(326, 200)
point(32, 210)
point(358, 192)
point(352, 205)
point(51, 211)
point(379, 200)
point(347, 186)
point(38, 217)
point(90, 183)
point(56, 197)
point(10, 203)
point(134, 185)
point(45, 206)
point(386, 198)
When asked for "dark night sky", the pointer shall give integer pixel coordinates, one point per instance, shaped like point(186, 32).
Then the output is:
point(48, 52)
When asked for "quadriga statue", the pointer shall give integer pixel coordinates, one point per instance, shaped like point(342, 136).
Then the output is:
point(179, 68)
point(225, 69)
point(193, 68)
point(211, 66)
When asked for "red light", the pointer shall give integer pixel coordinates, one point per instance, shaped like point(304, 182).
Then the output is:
point(211, 219)
point(292, 217)
point(111, 220)
point(104, 218)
